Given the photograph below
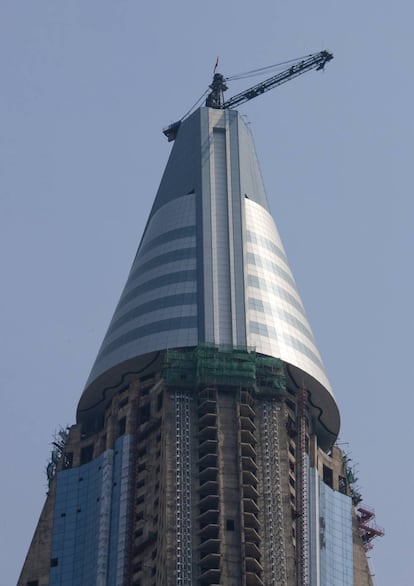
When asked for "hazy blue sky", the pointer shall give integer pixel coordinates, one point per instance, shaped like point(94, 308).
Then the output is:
point(86, 86)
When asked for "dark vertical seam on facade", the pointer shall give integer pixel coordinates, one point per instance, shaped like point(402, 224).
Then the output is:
point(199, 242)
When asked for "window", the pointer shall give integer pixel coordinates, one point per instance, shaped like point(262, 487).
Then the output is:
point(53, 562)
point(67, 460)
point(145, 413)
point(230, 524)
point(342, 484)
point(86, 454)
point(291, 405)
point(327, 476)
point(121, 426)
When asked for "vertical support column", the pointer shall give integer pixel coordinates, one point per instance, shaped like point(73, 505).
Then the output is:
point(104, 519)
point(124, 491)
point(314, 529)
point(221, 219)
point(183, 490)
point(220, 239)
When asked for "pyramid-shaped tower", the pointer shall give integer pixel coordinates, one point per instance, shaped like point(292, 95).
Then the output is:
point(203, 450)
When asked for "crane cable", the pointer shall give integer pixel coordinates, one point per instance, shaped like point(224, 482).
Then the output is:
point(261, 70)
point(200, 99)
point(244, 75)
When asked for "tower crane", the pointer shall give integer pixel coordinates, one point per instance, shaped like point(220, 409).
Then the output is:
point(215, 98)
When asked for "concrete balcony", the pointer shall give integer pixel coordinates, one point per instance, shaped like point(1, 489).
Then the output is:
point(247, 423)
point(248, 450)
point(207, 406)
point(247, 411)
point(250, 492)
point(249, 478)
point(211, 576)
point(210, 546)
point(209, 487)
point(208, 474)
point(210, 531)
point(207, 461)
point(253, 580)
point(248, 463)
point(247, 437)
point(253, 565)
point(210, 501)
point(207, 419)
point(251, 550)
point(251, 521)
point(209, 517)
point(207, 447)
point(209, 432)
point(251, 535)
point(210, 561)
point(250, 506)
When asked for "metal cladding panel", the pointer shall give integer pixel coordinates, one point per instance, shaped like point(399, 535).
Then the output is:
point(158, 306)
point(211, 268)
point(276, 317)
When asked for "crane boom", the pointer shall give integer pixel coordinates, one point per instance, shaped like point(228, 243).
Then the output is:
point(316, 61)
point(215, 98)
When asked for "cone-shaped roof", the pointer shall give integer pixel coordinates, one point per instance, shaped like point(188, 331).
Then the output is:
point(211, 268)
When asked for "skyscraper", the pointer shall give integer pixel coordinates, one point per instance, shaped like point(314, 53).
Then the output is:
point(203, 451)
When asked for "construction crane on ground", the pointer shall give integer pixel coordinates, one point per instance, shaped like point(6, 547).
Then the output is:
point(215, 98)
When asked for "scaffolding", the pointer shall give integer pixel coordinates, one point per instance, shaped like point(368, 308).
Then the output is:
point(368, 529)
point(272, 494)
point(183, 489)
point(251, 523)
point(302, 494)
point(208, 365)
point(270, 375)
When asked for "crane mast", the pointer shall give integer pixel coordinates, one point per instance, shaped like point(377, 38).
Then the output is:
point(215, 98)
